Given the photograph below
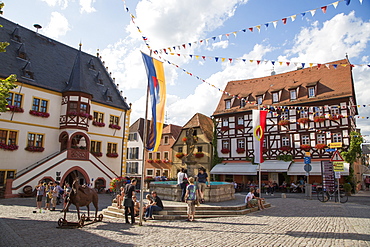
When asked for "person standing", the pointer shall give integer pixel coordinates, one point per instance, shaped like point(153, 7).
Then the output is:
point(54, 193)
point(203, 182)
point(367, 182)
point(40, 188)
point(182, 182)
point(191, 197)
point(128, 203)
point(156, 205)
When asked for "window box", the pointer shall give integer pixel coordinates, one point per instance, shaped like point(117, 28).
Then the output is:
point(113, 126)
point(72, 113)
point(335, 117)
point(303, 120)
point(285, 148)
point(184, 139)
point(166, 161)
point(240, 150)
point(320, 146)
point(199, 155)
point(283, 122)
point(98, 124)
point(157, 161)
point(305, 147)
point(225, 128)
point(34, 149)
point(225, 150)
point(112, 155)
point(39, 114)
point(86, 115)
point(10, 147)
point(319, 119)
point(14, 108)
point(97, 154)
point(239, 127)
point(149, 160)
point(180, 155)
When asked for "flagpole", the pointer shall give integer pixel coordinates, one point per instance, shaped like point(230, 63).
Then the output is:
point(143, 164)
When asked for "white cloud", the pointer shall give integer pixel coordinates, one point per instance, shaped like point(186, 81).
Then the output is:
point(86, 6)
point(58, 26)
point(62, 3)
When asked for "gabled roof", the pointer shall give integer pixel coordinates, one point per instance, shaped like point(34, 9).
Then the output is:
point(52, 65)
point(175, 130)
point(205, 123)
point(331, 84)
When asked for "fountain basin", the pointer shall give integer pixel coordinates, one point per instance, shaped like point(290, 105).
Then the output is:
point(217, 192)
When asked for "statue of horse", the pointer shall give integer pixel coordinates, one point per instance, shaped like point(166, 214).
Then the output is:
point(82, 196)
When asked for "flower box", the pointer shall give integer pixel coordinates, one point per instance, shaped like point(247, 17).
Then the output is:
point(303, 120)
point(239, 127)
point(320, 146)
point(180, 155)
point(72, 113)
point(39, 114)
point(112, 155)
point(240, 150)
point(319, 119)
point(113, 126)
point(225, 128)
point(225, 150)
point(305, 147)
point(285, 148)
point(149, 161)
point(14, 108)
point(34, 149)
point(117, 183)
point(98, 124)
point(184, 139)
point(86, 115)
point(97, 154)
point(10, 147)
point(157, 161)
point(283, 122)
point(199, 155)
point(166, 161)
point(335, 117)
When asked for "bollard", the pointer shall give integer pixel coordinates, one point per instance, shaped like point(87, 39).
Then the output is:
point(283, 195)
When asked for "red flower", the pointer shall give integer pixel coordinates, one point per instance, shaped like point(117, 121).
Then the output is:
point(225, 128)
point(10, 147)
point(305, 147)
point(180, 155)
point(15, 108)
point(34, 149)
point(113, 126)
point(149, 160)
point(285, 148)
point(199, 155)
point(240, 150)
point(303, 120)
point(166, 161)
point(98, 124)
point(320, 146)
point(225, 150)
point(97, 154)
point(157, 161)
point(184, 139)
point(335, 117)
point(39, 114)
point(283, 122)
point(319, 119)
point(112, 155)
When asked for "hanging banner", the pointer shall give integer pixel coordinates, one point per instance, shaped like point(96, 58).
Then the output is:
point(259, 125)
point(157, 90)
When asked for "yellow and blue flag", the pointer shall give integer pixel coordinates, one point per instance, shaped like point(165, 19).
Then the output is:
point(157, 90)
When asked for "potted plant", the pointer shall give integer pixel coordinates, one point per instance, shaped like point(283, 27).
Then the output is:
point(98, 124)
point(113, 126)
point(180, 155)
point(305, 147)
point(240, 150)
point(34, 149)
point(112, 155)
point(319, 119)
point(199, 154)
point(97, 154)
point(14, 108)
point(149, 160)
point(320, 146)
point(303, 120)
point(347, 188)
point(335, 117)
point(39, 114)
point(157, 161)
point(225, 150)
point(10, 147)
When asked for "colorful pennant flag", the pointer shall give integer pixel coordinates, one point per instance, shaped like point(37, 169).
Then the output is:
point(259, 126)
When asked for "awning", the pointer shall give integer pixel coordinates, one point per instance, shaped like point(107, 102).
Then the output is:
point(274, 166)
point(298, 169)
point(235, 169)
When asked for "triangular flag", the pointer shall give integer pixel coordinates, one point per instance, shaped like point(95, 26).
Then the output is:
point(311, 64)
point(216, 58)
point(220, 36)
point(258, 61)
point(324, 9)
point(318, 65)
point(335, 66)
point(361, 1)
point(251, 29)
point(230, 59)
point(227, 35)
point(259, 28)
point(266, 25)
point(196, 57)
point(223, 59)
point(273, 62)
point(234, 34)
point(327, 66)
point(244, 30)
point(287, 63)
point(214, 38)
point(303, 64)
point(335, 4)
point(313, 12)
point(275, 23)
point(347, 2)
point(281, 63)
point(204, 58)
point(284, 20)
point(303, 14)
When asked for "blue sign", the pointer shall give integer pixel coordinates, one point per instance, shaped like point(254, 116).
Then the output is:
point(307, 168)
point(330, 150)
point(307, 160)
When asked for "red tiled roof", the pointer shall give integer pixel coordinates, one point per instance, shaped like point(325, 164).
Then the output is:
point(205, 123)
point(331, 84)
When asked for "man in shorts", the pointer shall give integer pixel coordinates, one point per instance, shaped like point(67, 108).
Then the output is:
point(250, 199)
point(39, 195)
point(203, 182)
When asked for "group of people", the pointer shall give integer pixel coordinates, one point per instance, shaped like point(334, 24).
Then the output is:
point(52, 192)
point(128, 199)
point(191, 193)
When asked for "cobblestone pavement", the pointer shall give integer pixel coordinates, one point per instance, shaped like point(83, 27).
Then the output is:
point(293, 221)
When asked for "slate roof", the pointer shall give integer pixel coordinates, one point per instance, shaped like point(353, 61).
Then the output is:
point(205, 123)
point(52, 63)
point(331, 84)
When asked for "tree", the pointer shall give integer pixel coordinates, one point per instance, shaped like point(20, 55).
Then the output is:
point(8, 83)
point(354, 153)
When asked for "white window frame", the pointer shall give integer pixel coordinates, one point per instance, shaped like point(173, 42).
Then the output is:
point(275, 97)
point(320, 138)
point(227, 104)
point(240, 121)
point(285, 141)
point(293, 94)
point(305, 140)
point(311, 92)
point(337, 137)
point(259, 100)
point(225, 122)
point(147, 172)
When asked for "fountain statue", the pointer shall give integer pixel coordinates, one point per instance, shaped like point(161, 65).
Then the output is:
point(189, 159)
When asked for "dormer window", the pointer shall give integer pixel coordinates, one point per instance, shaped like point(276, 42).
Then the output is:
point(98, 79)
point(109, 98)
point(243, 102)
point(16, 36)
point(227, 104)
point(293, 94)
point(259, 100)
point(311, 92)
point(22, 52)
point(275, 97)
point(91, 64)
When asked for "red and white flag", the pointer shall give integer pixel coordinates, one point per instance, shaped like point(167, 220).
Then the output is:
point(259, 126)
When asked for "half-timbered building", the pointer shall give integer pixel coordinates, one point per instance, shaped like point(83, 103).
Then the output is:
point(307, 110)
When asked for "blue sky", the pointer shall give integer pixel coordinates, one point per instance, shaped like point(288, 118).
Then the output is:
point(105, 25)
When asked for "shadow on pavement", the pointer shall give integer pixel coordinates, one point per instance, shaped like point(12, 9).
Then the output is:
point(333, 235)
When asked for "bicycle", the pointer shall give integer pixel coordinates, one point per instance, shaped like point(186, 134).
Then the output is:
point(325, 196)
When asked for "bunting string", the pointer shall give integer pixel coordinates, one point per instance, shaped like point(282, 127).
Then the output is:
point(251, 29)
point(259, 62)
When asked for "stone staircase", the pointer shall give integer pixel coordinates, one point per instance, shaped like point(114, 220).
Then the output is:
point(178, 212)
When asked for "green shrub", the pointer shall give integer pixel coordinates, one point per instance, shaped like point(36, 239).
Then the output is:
point(347, 187)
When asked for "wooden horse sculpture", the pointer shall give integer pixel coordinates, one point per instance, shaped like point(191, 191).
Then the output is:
point(82, 196)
